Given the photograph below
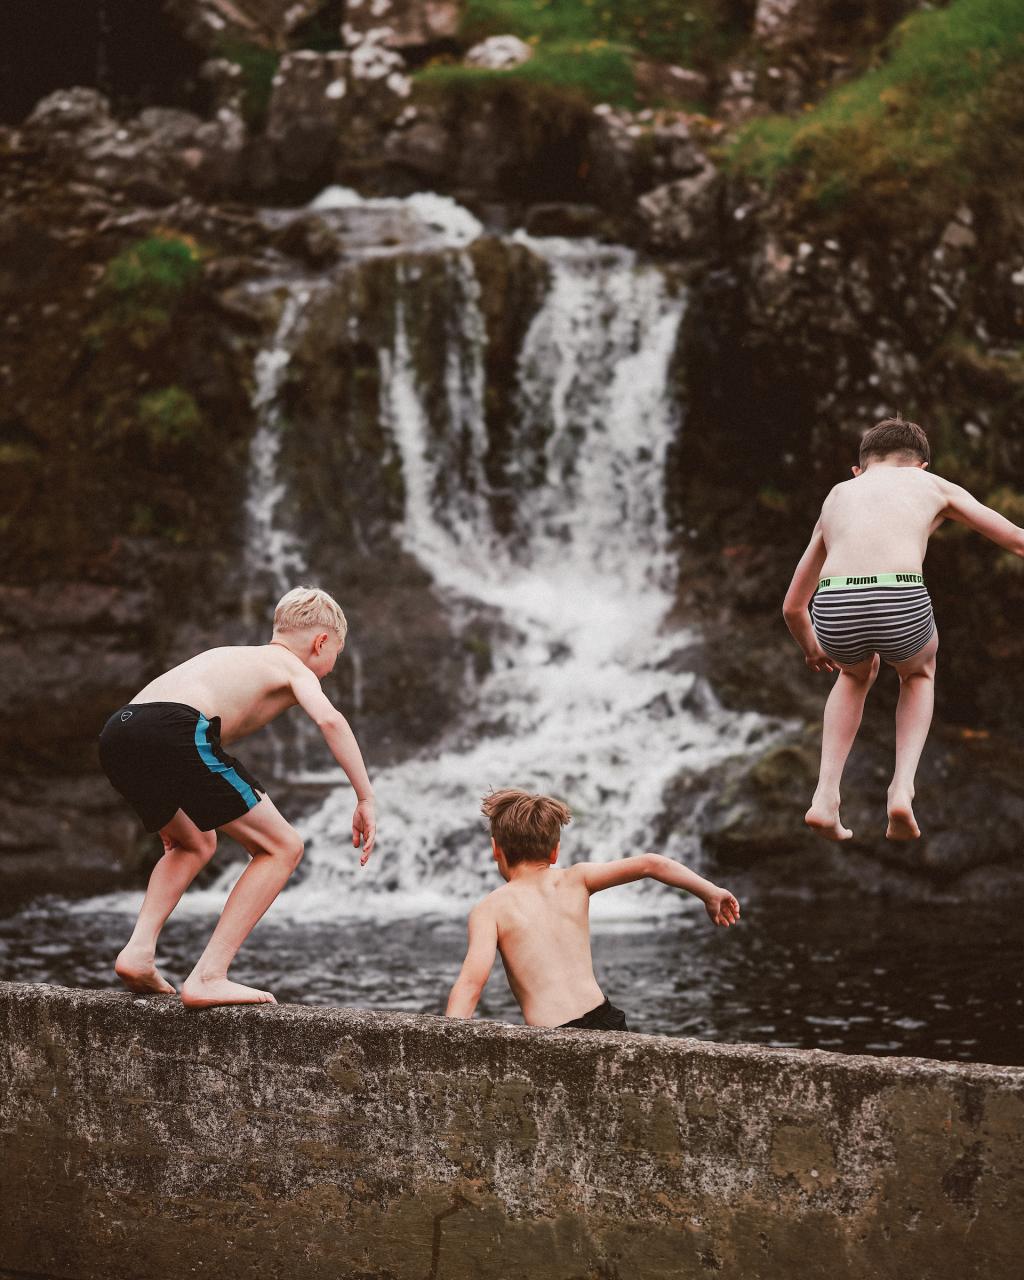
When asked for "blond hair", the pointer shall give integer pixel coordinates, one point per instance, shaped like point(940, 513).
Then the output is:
point(305, 607)
point(525, 827)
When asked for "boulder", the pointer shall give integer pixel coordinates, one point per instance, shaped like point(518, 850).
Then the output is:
point(400, 24)
point(499, 53)
point(157, 154)
point(564, 219)
point(780, 24)
point(683, 216)
point(209, 23)
point(330, 110)
point(658, 82)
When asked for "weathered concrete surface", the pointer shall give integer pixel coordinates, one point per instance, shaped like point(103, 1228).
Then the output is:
point(141, 1140)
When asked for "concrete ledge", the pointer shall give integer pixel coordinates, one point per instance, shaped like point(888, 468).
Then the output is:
point(141, 1140)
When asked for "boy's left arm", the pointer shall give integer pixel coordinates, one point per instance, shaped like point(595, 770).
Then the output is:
point(798, 597)
point(342, 741)
point(719, 903)
point(476, 968)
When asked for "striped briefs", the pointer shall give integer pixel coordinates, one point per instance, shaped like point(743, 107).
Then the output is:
point(885, 613)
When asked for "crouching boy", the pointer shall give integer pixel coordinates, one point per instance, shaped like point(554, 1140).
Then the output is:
point(164, 752)
point(539, 919)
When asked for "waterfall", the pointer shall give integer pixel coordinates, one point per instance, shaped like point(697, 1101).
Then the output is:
point(578, 702)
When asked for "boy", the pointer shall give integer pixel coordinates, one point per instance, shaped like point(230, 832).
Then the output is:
point(165, 757)
point(863, 569)
point(539, 919)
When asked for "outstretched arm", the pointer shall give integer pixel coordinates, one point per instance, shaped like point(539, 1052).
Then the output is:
point(719, 903)
point(342, 742)
point(476, 968)
point(965, 508)
point(798, 597)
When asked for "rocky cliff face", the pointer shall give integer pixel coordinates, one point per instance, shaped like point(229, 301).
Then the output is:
point(127, 430)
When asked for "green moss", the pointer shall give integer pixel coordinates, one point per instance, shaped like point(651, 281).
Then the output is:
point(259, 66)
point(940, 116)
point(596, 70)
point(587, 47)
point(170, 416)
point(683, 31)
point(142, 288)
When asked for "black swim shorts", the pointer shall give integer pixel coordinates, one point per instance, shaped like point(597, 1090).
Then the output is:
point(604, 1018)
point(166, 756)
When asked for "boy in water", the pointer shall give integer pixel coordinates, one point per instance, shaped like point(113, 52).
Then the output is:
point(540, 919)
point(164, 755)
point(858, 596)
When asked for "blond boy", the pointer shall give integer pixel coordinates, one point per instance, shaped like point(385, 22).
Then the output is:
point(163, 752)
point(539, 920)
point(858, 598)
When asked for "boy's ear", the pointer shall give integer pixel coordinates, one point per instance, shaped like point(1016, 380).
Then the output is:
point(554, 853)
point(856, 470)
point(318, 642)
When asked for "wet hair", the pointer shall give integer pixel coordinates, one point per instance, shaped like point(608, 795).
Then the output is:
point(525, 827)
point(894, 435)
point(306, 607)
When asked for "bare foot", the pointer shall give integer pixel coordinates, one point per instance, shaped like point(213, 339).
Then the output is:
point(823, 818)
point(138, 973)
point(201, 993)
point(902, 823)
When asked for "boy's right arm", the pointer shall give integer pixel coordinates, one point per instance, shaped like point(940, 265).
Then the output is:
point(721, 906)
point(476, 968)
point(342, 742)
point(964, 507)
point(798, 597)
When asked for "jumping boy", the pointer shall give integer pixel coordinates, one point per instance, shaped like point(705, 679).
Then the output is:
point(165, 756)
point(540, 919)
point(858, 596)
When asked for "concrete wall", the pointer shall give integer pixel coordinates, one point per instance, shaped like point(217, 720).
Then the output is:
point(141, 1140)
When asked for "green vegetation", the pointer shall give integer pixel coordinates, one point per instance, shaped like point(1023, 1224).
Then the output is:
point(143, 286)
point(170, 416)
point(941, 115)
point(259, 66)
point(588, 46)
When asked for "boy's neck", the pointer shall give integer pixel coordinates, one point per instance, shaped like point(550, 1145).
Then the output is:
point(523, 869)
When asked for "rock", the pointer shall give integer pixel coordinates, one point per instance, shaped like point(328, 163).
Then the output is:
point(499, 53)
point(421, 142)
point(160, 153)
point(658, 82)
point(683, 216)
point(563, 220)
point(400, 24)
point(783, 23)
point(209, 23)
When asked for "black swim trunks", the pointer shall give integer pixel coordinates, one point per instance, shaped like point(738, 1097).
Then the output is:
point(604, 1018)
point(166, 756)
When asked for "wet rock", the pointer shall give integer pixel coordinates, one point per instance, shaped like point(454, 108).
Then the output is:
point(400, 24)
point(564, 220)
point(683, 216)
point(499, 53)
point(782, 23)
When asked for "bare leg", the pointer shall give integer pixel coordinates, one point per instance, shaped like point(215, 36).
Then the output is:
point(843, 712)
point(913, 720)
point(276, 850)
point(186, 851)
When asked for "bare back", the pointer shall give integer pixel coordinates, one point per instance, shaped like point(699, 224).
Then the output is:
point(881, 520)
point(246, 685)
point(543, 925)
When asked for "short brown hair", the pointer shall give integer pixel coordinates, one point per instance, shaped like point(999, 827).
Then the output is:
point(525, 827)
point(894, 435)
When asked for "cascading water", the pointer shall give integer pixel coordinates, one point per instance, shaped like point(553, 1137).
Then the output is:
point(576, 702)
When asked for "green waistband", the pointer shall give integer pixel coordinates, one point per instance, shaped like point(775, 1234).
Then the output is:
point(873, 580)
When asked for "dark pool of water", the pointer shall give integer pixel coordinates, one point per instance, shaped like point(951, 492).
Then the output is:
point(865, 975)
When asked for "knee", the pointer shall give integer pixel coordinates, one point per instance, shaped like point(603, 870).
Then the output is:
point(207, 846)
point(926, 673)
point(289, 851)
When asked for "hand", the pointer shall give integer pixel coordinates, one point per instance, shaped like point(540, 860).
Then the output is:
point(364, 826)
point(722, 907)
point(818, 660)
